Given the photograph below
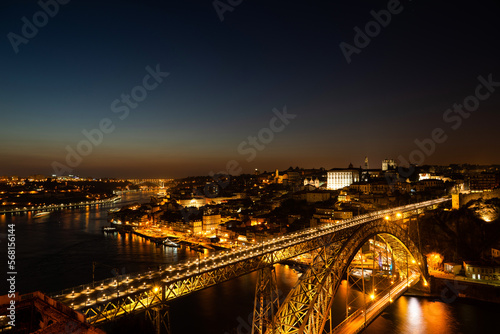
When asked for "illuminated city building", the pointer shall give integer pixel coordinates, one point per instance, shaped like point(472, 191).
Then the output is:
point(340, 178)
point(388, 164)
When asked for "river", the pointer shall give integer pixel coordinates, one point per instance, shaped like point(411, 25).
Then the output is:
point(57, 252)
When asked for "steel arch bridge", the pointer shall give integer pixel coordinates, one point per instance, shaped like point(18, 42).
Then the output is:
point(307, 307)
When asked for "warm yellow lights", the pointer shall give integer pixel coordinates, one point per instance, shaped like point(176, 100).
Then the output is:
point(156, 289)
point(372, 296)
point(434, 260)
point(387, 217)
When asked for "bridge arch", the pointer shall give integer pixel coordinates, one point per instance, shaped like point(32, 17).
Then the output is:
point(307, 307)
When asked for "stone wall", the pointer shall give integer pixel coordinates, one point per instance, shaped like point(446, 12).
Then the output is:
point(459, 200)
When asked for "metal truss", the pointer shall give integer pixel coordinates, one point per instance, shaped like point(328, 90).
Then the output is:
point(170, 287)
point(307, 307)
point(160, 317)
point(129, 304)
point(266, 300)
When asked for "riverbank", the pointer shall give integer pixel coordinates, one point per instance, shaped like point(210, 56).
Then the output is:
point(449, 290)
point(158, 238)
point(58, 206)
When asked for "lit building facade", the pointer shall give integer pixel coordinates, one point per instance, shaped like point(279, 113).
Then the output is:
point(475, 270)
point(388, 164)
point(211, 223)
point(340, 178)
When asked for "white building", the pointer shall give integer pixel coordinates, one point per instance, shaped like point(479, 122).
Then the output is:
point(340, 178)
point(312, 181)
point(388, 164)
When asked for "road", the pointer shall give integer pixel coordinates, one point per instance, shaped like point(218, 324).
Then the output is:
point(357, 321)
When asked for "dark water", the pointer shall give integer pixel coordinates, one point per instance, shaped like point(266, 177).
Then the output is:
point(57, 252)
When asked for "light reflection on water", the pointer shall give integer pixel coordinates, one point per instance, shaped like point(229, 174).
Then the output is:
point(427, 316)
point(414, 319)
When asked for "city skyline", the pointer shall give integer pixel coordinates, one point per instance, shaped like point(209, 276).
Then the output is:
point(176, 90)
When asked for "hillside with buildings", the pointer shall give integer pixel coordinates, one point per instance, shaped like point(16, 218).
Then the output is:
point(467, 234)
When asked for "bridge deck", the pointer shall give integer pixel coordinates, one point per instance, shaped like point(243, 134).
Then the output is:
point(356, 322)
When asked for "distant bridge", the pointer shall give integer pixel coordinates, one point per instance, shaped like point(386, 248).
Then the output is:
point(307, 308)
point(157, 182)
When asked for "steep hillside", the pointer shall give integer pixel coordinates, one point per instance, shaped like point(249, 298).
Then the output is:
point(464, 234)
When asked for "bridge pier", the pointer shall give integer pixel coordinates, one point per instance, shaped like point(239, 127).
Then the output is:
point(159, 316)
point(266, 301)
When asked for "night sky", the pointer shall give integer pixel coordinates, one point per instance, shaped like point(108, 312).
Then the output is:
point(225, 78)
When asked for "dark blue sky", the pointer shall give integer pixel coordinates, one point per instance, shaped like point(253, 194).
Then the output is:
point(226, 77)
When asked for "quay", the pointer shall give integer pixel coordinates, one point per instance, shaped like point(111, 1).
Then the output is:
point(159, 237)
point(57, 206)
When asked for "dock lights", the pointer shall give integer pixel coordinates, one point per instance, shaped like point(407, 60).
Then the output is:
point(399, 215)
point(372, 296)
point(156, 289)
point(73, 293)
point(387, 217)
point(413, 261)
